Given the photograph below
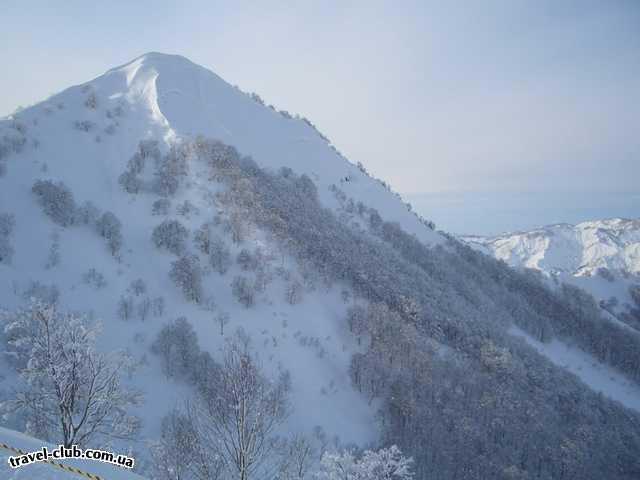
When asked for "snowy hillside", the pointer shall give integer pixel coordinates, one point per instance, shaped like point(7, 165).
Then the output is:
point(601, 256)
point(84, 137)
point(209, 235)
point(162, 97)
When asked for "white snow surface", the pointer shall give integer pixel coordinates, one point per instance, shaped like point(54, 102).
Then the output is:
point(599, 377)
point(167, 97)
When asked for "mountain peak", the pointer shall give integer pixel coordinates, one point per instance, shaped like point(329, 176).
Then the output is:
point(168, 98)
point(159, 60)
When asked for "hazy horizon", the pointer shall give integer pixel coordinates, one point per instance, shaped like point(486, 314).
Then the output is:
point(493, 213)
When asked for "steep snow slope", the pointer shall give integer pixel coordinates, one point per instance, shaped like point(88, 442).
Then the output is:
point(178, 97)
point(599, 377)
point(84, 137)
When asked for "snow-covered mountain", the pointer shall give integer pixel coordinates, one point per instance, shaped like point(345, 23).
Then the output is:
point(600, 256)
point(87, 147)
point(85, 136)
point(158, 191)
point(579, 250)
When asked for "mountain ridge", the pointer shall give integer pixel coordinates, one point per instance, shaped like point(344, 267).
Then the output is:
point(578, 250)
point(158, 195)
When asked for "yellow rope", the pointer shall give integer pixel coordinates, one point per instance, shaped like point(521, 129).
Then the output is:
point(61, 466)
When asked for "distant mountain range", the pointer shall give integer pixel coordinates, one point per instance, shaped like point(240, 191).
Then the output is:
point(580, 250)
point(601, 256)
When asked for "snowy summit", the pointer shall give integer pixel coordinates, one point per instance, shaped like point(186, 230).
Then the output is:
point(209, 278)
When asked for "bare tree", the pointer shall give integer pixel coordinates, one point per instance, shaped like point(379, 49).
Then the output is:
point(75, 392)
point(294, 292)
point(180, 454)
point(125, 307)
point(158, 306)
point(144, 308)
point(187, 275)
point(219, 255)
point(243, 291)
point(222, 319)
point(138, 287)
point(239, 227)
point(298, 456)
point(240, 417)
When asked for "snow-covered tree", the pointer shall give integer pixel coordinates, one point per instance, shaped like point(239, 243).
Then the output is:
point(634, 292)
point(144, 308)
point(202, 238)
point(138, 287)
point(186, 209)
point(7, 223)
point(136, 163)
point(219, 255)
point(48, 294)
point(94, 278)
point(125, 307)
point(383, 464)
point(222, 319)
point(243, 411)
point(161, 206)
point(130, 182)
point(84, 125)
point(87, 214)
point(166, 182)
point(238, 226)
point(53, 257)
point(169, 170)
point(170, 235)
point(92, 101)
point(294, 292)
point(338, 466)
point(109, 227)
point(180, 454)
point(357, 321)
point(74, 392)
point(187, 275)
point(56, 201)
point(243, 291)
point(298, 457)
point(177, 345)
point(245, 260)
point(157, 306)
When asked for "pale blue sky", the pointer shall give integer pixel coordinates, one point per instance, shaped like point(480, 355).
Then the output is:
point(474, 96)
